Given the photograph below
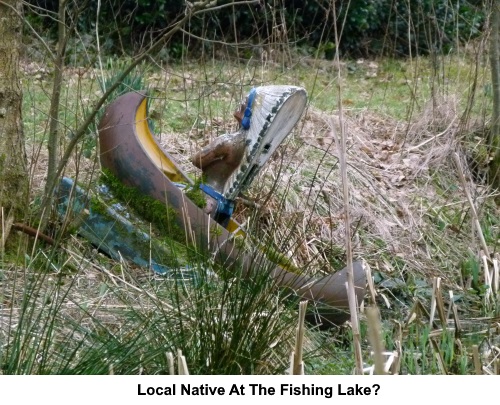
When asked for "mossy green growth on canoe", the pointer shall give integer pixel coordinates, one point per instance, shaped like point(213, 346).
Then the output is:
point(195, 194)
point(281, 260)
point(162, 216)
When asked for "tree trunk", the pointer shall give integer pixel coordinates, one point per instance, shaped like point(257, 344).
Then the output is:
point(14, 182)
point(494, 139)
point(53, 141)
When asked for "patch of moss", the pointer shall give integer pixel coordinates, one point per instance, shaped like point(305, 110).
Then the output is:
point(281, 260)
point(215, 230)
point(162, 216)
point(98, 206)
point(239, 241)
point(195, 194)
point(163, 250)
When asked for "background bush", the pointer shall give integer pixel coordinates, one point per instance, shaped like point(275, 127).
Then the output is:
point(369, 27)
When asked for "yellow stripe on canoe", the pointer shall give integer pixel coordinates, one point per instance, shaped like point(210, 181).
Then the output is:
point(154, 152)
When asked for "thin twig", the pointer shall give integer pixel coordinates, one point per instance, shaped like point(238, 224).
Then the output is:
point(28, 230)
point(439, 357)
point(342, 148)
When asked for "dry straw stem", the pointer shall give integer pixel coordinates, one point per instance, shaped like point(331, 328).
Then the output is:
point(297, 366)
point(496, 273)
point(453, 310)
point(353, 307)
point(475, 217)
point(371, 285)
point(397, 359)
point(181, 363)
point(488, 279)
point(437, 302)
point(375, 337)
point(491, 273)
point(439, 357)
point(342, 149)
point(478, 367)
point(5, 230)
point(477, 360)
point(170, 362)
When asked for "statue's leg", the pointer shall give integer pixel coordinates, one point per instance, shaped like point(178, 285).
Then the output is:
point(218, 161)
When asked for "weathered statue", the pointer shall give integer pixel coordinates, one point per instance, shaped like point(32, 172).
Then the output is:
point(231, 162)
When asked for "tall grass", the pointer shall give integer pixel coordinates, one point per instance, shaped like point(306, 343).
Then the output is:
point(93, 321)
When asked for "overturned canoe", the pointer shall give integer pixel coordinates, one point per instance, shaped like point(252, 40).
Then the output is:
point(130, 151)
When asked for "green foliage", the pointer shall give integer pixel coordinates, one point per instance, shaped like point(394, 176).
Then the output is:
point(421, 352)
point(434, 26)
point(367, 27)
point(132, 82)
point(396, 28)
